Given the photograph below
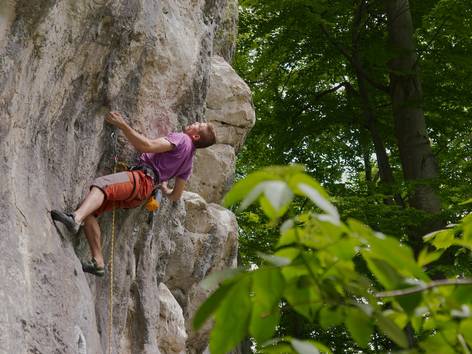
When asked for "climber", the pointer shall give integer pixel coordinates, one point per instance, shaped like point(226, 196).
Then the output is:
point(161, 159)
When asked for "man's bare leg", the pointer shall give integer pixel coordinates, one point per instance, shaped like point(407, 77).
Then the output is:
point(84, 213)
point(92, 232)
point(92, 202)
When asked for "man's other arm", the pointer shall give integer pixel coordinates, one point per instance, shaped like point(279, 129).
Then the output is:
point(175, 193)
point(139, 141)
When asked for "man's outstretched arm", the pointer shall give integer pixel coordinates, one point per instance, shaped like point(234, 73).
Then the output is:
point(139, 141)
point(175, 193)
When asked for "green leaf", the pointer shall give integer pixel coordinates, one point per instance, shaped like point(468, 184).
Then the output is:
point(215, 278)
point(278, 348)
point(386, 274)
point(288, 237)
point(465, 329)
point(267, 289)
point(312, 238)
point(468, 201)
point(389, 250)
point(410, 302)
point(287, 225)
point(443, 239)
point(330, 317)
point(359, 326)
point(429, 237)
point(293, 272)
point(467, 235)
point(267, 208)
point(263, 322)
point(391, 330)
point(274, 197)
point(268, 286)
point(321, 347)
point(252, 196)
point(329, 229)
point(304, 300)
point(344, 249)
point(302, 178)
point(433, 323)
point(278, 194)
point(270, 182)
point(321, 202)
point(304, 347)
point(462, 294)
point(417, 323)
point(400, 318)
point(242, 188)
point(277, 261)
point(209, 306)
point(436, 344)
point(450, 331)
point(426, 257)
point(253, 217)
point(288, 252)
point(467, 219)
point(232, 318)
point(359, 229)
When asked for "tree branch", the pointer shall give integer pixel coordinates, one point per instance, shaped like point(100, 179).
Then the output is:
point(318, 95)
point(358, 67)
point(344, 84)
point(421, 288)
point(356, 32)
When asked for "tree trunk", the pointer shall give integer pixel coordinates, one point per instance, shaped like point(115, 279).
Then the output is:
point(385, 171)
point(383, 163)
point(417, 159)
point(367, 166)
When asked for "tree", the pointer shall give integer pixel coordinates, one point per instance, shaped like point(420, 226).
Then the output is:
point(418, 162)
point(316, 271)
point(329, 91)
point(321, 75)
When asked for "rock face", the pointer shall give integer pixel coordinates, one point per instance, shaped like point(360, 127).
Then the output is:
point(230, 110)
point(63, 64)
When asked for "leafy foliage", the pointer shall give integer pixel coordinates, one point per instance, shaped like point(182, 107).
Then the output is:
point(309, 109)
point(315, 272)
point(297, 57)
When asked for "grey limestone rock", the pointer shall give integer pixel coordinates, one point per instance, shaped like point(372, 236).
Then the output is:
point(63, 65)
point(230, 110)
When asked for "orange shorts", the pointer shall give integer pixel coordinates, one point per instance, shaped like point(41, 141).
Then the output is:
point(123, 190)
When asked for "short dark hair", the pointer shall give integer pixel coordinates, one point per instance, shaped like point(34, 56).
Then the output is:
point(207, 137)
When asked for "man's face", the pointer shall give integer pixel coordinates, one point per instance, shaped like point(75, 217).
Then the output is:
point(195, 128)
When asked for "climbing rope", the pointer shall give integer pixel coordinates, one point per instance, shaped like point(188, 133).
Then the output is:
point(152, 205)
point(112, 254)
point(110, 301)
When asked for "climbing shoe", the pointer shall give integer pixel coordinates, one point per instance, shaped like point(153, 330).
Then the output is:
point(92, 268)
point(67, 219)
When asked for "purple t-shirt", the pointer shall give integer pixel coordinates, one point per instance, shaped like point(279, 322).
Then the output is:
point(174, 163)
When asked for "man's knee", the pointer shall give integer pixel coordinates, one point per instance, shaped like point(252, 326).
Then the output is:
point(94, 188)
